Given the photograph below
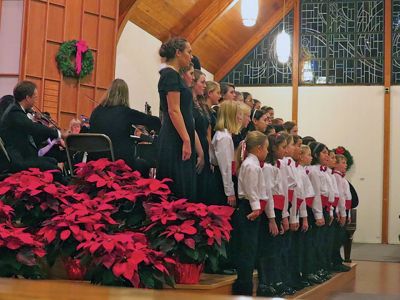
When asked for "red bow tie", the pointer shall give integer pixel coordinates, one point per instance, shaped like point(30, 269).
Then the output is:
point(323, 168)
point(262, 163)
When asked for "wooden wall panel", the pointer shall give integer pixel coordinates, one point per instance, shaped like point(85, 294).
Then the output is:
point(48, 23)
point(73, 19)
point(86, 98)
point(36, 38)
point(50, 98)
point(56, 19)
point(38, 83)
point(59, 2)
point(105, 66)
point(90, 25)
point(92, 6)
point(51, 69)
point(109, 9)
point(69, 96)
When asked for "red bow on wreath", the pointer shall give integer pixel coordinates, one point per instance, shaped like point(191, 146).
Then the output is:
point(340, 150)
point(81, 47)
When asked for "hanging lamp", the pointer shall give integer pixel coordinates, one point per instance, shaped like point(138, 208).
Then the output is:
point(283, 43)
point(249, 9)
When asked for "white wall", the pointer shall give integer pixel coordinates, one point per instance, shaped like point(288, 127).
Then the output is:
point(394, 194)
point(352, 117)
point(280, 98)
point(138, 64)
point(10, 39)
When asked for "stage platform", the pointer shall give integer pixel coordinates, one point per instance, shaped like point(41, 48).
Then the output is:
point(215, 287)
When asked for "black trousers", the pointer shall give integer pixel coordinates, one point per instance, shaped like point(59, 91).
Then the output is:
point(310, 246)
point(269, 262)
point(246, 248)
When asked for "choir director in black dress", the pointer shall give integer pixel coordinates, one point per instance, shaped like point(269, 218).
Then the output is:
point(176, 154)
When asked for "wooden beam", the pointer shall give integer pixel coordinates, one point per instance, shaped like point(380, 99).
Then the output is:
point(200, 24)
point(296, 62)
point(125, 8)
point(248, 46)
point(386, 122)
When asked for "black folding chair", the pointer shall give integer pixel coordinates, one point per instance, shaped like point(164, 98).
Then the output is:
point(89, 143)
point(5, 161)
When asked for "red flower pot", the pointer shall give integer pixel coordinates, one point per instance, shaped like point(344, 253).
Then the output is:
point(74, 269)
point(188, 273)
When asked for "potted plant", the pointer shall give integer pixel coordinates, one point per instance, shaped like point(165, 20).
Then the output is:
point(125, 259)
point(190, 233)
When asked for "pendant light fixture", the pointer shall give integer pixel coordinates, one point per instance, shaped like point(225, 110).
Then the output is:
point(249, 10)
point(283, 43)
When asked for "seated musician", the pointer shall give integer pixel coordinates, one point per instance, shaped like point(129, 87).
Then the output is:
point(115, 118)
point(19, 132)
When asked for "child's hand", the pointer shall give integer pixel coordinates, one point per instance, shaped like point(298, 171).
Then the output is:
point(304, 225)
point(273, 228)
point(294, 226)
point(254, 214)
point(232, 200)
point(342, 221)
point(285, 224)
point(320, 222)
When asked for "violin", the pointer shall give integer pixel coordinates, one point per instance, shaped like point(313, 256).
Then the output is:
point(44, 119)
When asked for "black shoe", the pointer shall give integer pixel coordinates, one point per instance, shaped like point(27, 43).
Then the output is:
point(267, 291)
point(313, 278)
point(283, 289)
point(340, 268)
point(297, 285)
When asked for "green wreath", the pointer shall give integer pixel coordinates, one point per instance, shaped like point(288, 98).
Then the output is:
point(342, 150)
point(66, 60)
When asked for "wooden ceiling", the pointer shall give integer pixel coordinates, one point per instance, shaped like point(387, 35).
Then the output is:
point(214, 27)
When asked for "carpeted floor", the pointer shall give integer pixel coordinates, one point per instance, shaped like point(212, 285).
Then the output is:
point(375, 252)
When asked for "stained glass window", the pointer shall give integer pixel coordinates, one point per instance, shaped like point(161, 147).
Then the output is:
point(396, 42)
point(342, 42)
point(261, 66)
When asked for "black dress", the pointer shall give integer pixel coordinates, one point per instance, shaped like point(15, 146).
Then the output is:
point(202, 121)
point(170, 163)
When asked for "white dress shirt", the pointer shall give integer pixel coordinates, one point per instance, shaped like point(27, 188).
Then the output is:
point(251, 182)
point(222, 155)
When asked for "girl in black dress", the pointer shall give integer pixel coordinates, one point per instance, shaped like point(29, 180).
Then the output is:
point(202, 123)
point(176, 153)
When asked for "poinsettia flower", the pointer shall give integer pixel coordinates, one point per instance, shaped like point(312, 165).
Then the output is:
point(198, 209)
point(179, 231)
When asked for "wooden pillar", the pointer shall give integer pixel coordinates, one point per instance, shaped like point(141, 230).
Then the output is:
point(386, 137)
point(295, 65)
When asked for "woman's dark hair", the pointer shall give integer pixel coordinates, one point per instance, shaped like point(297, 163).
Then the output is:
point(316, 149)
point(168, 49)
point(288, 126)
point(255, 114)
point(196, 63)
point(308, 139)
point(269, 129)
point(274, 141)
point(5, 102)
point(255, 101)
point(225, 87)
point(296, 138)
point(267, 108)
point(245, 95)
point(278, 128)
point(24, 89)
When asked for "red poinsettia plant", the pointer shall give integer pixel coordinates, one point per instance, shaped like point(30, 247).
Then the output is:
point(75, 223)
point(19, 251)
point(116, 182)
point(33, 195)
point(189, 232)
point(126, 259)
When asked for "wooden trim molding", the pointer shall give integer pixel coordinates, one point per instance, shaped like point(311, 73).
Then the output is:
point(386, 134)
point(203, 22)
point(257, 37)
point(295, 56)
point(124, 11)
